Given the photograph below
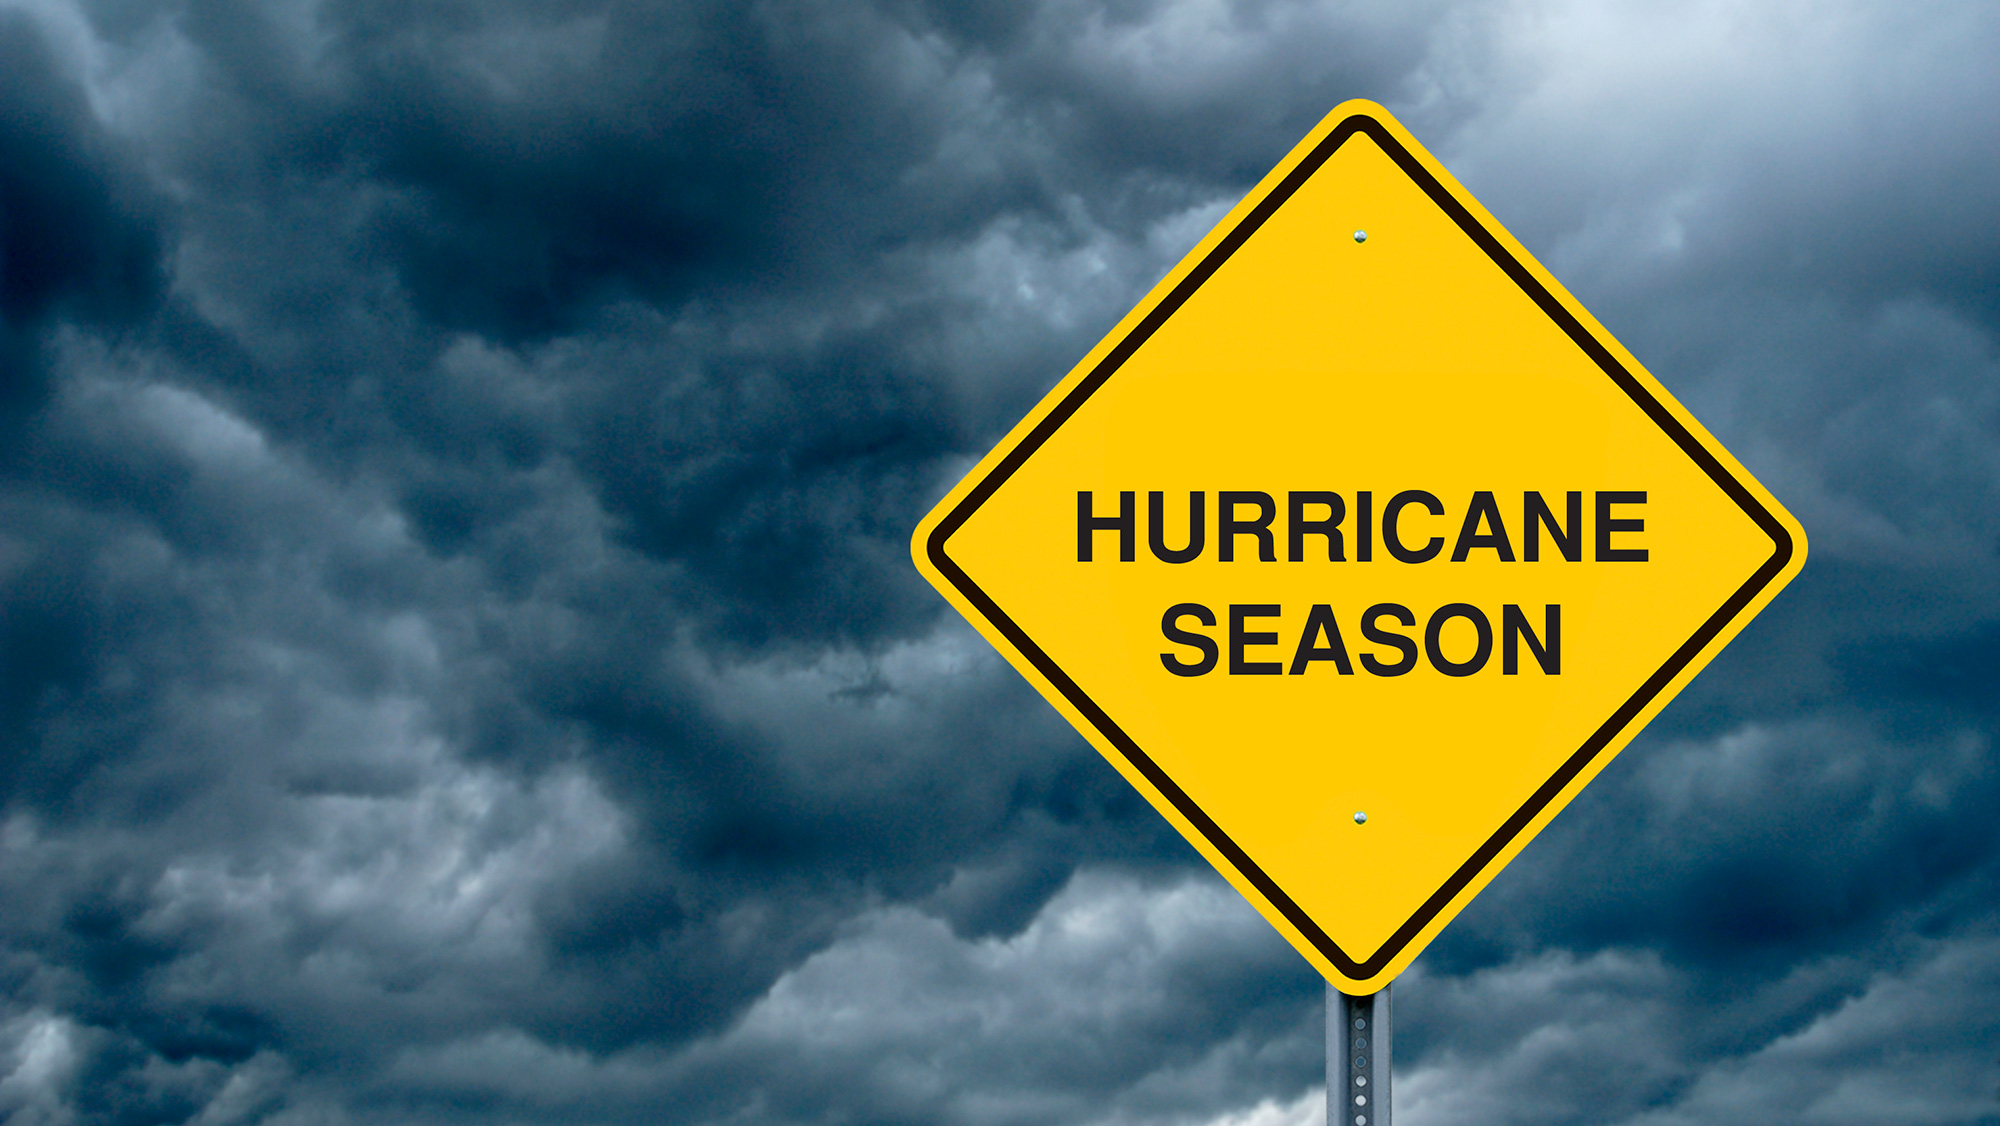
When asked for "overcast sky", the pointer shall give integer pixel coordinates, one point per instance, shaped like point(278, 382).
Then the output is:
point(460, 660)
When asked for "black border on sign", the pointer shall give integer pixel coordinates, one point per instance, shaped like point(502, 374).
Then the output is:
point(1571, 767)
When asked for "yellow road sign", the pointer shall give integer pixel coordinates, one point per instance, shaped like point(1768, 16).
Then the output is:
point(1359, 547)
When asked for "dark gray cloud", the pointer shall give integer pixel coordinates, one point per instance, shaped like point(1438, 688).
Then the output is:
point(77, 237)
point(461, 660)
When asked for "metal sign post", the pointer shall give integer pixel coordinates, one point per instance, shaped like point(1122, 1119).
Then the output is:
point(1357, 1058)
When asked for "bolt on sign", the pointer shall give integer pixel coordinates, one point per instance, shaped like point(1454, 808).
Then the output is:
point(1359, 547)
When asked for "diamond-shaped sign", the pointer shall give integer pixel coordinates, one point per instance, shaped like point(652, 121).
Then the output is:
point(1359, 547)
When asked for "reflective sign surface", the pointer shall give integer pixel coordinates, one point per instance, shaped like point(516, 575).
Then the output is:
point(1359, 547)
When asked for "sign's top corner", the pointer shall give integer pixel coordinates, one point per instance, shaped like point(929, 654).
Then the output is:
point(1358, 107)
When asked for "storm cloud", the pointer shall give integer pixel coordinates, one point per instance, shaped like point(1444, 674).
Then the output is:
point(462, 663)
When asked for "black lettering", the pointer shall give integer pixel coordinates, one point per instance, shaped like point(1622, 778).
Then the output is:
point(1297, 527)
point(1382, 636)
point(1238, 639)
point(1364, 527)
point(1320, 623)
point(1514, 627)
point(1606, 526)
point(1470, 537)
point(1228, 527)
point(1434, 637)
point(1156, 530)
point(1393, 511)
point(1170, 625)
point(1535, 514)
point(1125, 524)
